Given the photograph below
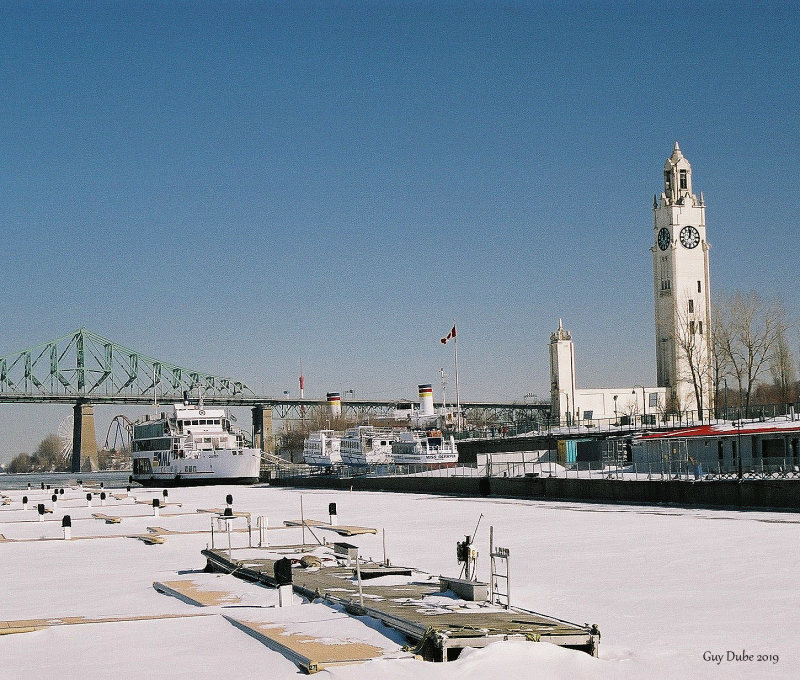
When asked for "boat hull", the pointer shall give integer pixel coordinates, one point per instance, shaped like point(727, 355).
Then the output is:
point(192, 481)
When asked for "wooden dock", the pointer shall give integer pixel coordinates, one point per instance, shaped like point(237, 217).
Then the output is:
point(439, 628)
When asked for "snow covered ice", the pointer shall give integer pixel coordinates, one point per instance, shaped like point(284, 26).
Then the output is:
point(672, 590)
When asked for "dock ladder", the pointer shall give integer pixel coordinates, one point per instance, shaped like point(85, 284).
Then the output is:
point(499, 555)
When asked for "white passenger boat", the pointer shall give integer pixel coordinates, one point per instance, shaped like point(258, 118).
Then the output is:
point(418, 447)
point(322, 448)
point(367, 445)
point(193, 445)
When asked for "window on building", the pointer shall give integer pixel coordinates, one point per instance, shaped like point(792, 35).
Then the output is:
point(691, 327)
point(684, 184)
point(668, 180)
point(699, 286)
point(691, 306)
point(700, 327)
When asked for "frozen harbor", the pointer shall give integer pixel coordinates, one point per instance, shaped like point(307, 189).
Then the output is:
point(675, 593)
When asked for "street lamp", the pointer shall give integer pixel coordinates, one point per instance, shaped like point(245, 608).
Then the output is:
point(739, 438)
point(569, 419)
point(725, 417)
point(616, 417)
point(644, 402)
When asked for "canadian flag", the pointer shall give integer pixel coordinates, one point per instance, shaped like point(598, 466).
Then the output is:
point(450, 336)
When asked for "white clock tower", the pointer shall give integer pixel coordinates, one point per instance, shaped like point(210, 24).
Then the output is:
point(681, 289)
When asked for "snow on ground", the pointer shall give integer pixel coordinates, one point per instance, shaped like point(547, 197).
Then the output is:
point(666, 586)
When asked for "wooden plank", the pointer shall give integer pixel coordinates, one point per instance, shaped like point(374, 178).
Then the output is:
point(193, 593)
point(308, 652)
point(31, 625)
point(221, 511)
point(151, 539)
point(342, 530)
point(108, 519)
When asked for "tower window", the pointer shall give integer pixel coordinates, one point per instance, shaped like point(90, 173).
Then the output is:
point(691, 306)
point(684, 184)
point(699, 286)
point(668, 180)
point(691, 327)
point(700, 327)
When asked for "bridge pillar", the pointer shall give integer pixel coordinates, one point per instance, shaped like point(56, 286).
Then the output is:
point(263, 437)
point(84, 439)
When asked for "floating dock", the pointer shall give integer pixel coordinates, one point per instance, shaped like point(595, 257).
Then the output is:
point(439, 627)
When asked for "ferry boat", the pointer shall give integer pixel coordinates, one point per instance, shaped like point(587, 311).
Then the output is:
point(419, 447)
point(193, 445)
point(322, 448)
point(367, 445)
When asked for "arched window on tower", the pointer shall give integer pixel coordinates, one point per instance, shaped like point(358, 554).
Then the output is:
point(668, 180)
point(684, 183)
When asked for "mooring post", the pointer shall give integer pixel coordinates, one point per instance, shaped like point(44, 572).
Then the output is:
point(358, 573)
point(263, 538)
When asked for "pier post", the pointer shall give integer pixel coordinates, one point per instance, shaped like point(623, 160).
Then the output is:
point(84, 439)
point(262, 428)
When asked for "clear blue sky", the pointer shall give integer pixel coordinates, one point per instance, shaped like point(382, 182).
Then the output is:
point(231, 186)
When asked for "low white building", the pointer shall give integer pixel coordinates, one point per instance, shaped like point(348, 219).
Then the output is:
point(571, 405)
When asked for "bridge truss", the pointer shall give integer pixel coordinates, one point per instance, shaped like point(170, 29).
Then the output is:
point(87, 366)
point(84, 369)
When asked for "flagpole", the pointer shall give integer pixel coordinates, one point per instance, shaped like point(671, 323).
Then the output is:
point(458, 397)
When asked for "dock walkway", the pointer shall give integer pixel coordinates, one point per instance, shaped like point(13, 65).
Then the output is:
point(439, 626)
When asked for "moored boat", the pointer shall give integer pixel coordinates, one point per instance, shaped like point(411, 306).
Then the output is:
point(424, 447)
point(322, 448)
point(367, 445)
point(193, 445)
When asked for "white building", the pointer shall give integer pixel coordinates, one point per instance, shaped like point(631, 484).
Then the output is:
point(570, 405)
point(681, 289)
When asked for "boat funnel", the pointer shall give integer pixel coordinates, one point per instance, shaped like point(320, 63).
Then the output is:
point(426, 400)
point(335, 403)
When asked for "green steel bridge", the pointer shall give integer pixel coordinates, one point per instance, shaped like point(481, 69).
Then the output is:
point(84, 369)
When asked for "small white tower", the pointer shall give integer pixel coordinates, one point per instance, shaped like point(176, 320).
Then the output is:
point(562, 376)
point(681, 289)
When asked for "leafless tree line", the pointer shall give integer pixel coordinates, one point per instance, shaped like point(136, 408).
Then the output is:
point(750, 341)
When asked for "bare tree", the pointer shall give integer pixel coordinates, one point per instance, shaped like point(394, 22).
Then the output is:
point(782, 368)
point(719, 358)
point(693, 344)
point(748, 334)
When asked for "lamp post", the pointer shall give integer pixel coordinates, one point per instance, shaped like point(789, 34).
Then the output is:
point(644, 402)
point(739, 438)
point(569, 419)
point(616, 417)
point(726, 399)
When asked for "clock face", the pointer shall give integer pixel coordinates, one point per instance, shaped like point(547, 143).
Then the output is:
point(663, 238)
point(689, 237)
